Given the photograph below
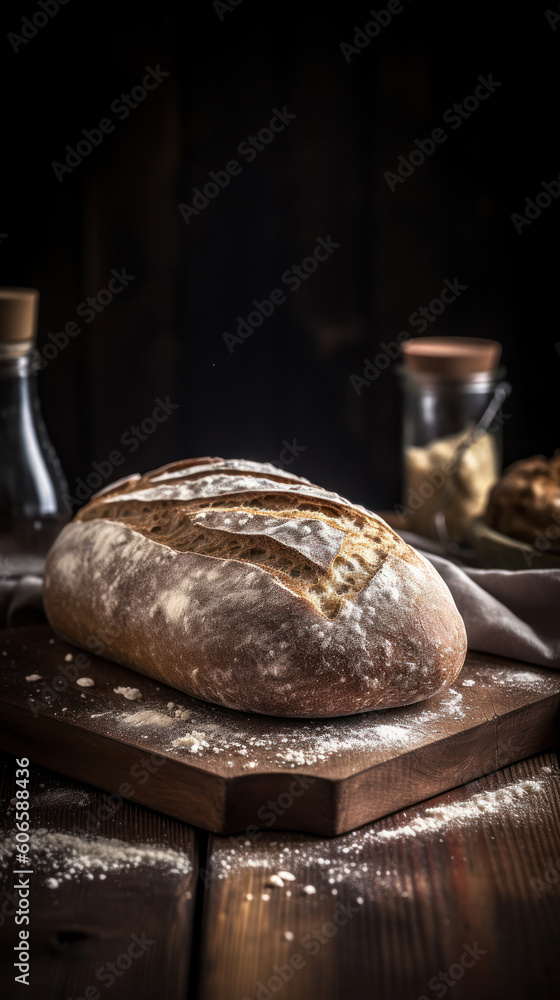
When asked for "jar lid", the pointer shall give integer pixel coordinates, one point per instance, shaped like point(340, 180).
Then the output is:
point(451, 357)
point(18, 320)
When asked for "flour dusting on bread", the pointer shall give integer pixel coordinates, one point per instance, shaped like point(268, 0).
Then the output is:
point(249, 587)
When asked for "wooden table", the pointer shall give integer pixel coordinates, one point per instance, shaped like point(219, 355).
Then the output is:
point(460, 893)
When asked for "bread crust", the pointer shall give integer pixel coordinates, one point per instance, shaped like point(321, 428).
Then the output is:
point(317, 620)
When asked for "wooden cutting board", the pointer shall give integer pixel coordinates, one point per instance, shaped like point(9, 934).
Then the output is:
point(239, 771)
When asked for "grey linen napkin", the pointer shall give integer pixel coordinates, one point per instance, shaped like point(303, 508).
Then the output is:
point(513, 613)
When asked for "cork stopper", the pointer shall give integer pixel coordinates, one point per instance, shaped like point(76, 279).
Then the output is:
point(18, 320)
point(451, 357)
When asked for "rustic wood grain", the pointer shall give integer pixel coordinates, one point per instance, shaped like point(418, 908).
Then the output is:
point(341, 773)
point(84, 923)
point(409, 903)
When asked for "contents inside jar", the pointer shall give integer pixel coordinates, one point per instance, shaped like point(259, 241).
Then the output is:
point(430, 469)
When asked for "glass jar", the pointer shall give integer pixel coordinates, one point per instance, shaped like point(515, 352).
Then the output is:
point(452, 447)
point(32, 484)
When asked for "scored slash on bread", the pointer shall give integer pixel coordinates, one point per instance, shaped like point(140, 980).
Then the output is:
point(247, 586)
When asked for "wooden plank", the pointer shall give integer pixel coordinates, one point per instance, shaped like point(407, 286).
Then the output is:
point(324, 776)
point(112, 883)
point(461, 892)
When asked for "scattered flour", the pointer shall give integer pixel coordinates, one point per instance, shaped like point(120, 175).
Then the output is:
point(63, 797)
point(85, 682)
point(365, 859)
point(64, 857)
point(34, 677)
point(485, 804)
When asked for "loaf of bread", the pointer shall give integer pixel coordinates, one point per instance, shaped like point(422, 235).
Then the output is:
point(525, 503)
point(249, 587)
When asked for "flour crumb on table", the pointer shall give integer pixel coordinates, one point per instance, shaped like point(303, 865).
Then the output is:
point(85, 682)
point(132, 694)
point(286, 876)
point(289, 935)
point(69, 657)
point(34, 677)
point(310, 890)
point(275, 880)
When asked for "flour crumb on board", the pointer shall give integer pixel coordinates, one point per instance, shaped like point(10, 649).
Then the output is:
point(85, 682)
point(69, 657)
point(147, 718)
point(468, 683)
point(34, 677)
point(309, 890)
point(289, 935)
point(192, 741)
point(132, 694)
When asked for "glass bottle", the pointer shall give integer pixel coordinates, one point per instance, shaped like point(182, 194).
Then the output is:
point(32, 483)
point(452, 448)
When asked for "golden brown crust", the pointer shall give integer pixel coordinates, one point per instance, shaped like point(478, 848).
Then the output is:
point(249, 587)
point(525, 503)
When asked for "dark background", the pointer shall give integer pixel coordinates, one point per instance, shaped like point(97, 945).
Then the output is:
point(323, 175)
